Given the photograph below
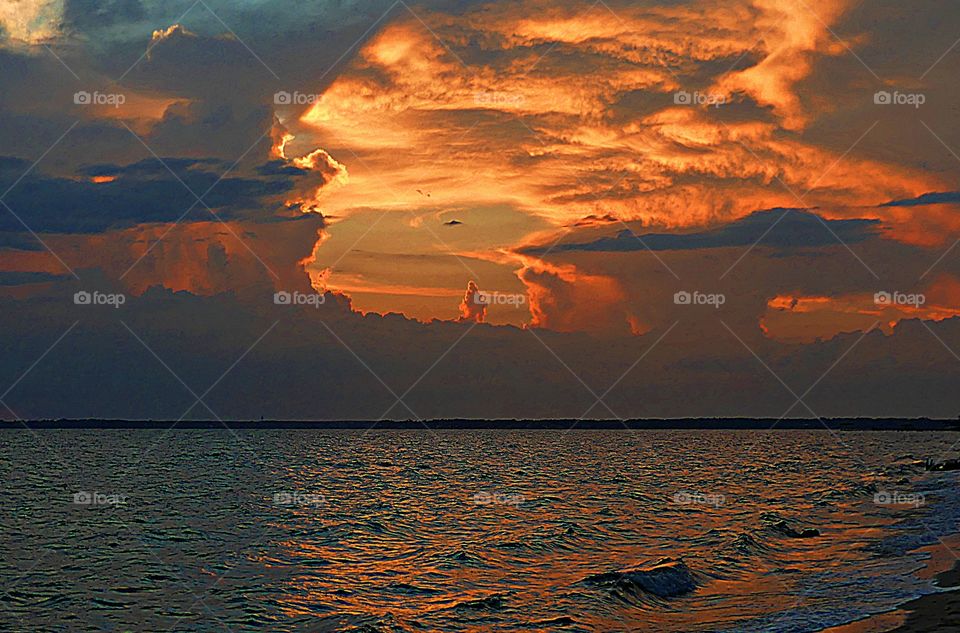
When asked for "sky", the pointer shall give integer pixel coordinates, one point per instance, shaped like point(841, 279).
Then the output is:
point(366, 210)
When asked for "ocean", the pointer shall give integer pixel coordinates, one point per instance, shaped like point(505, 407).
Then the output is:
point(581, 530)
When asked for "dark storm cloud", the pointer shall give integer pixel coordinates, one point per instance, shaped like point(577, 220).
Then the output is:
point(298, 41)
point(143, 192)
point(19, 241)
point(925, 199)
point(300, 371)
point(148, 168)
point(216, 68)
point(782, 228)
point(89, 15)
point(17, 278)
point(280, 168)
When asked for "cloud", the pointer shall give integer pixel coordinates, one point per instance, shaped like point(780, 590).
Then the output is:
point(695, 370)
point(559, 117)
point(779, 228)
point(30, 21)
point(791, 36)
point(15, 278)
point(800, 318)
point(566, 299)
point(143, 192)
point(328, 175)
point(473, 307)
point(88, 15)
point(947, 197)
point(242, 257)
point(557, 146)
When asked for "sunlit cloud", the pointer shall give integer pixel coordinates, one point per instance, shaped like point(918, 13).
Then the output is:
point(800, 318)
point(30, 21)
point(568, 113)
point(445, 144)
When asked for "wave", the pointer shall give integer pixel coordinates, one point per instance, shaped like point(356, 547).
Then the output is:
point(667, 578)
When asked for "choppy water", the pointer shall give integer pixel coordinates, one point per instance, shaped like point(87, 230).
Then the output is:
point(462, 530)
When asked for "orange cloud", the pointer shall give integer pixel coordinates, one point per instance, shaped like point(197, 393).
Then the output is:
point(410, 99)
point(472, 309)
point(328, 173)
point(792, 34)
point(566, 300)
point(204, 258)
point(799, 318)
point(471, 110)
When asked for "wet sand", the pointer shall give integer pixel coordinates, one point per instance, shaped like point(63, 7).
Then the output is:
point(936, 611)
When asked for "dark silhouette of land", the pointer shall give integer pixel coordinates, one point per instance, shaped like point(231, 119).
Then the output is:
point(758, 424)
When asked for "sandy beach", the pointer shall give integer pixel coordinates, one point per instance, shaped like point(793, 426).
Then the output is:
point(937, 611)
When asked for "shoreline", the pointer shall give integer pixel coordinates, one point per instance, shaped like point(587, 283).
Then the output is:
point(935, 611)
point(930, 613)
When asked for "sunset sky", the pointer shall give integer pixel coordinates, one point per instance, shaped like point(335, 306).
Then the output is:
point(582, 162)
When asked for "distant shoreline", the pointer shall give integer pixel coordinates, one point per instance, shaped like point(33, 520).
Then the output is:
point(758, 424)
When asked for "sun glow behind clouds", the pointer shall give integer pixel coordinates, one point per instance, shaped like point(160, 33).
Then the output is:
point(31, 21)
point(563, 113)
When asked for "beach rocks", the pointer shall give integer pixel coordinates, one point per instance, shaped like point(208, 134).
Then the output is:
point(666, 578)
